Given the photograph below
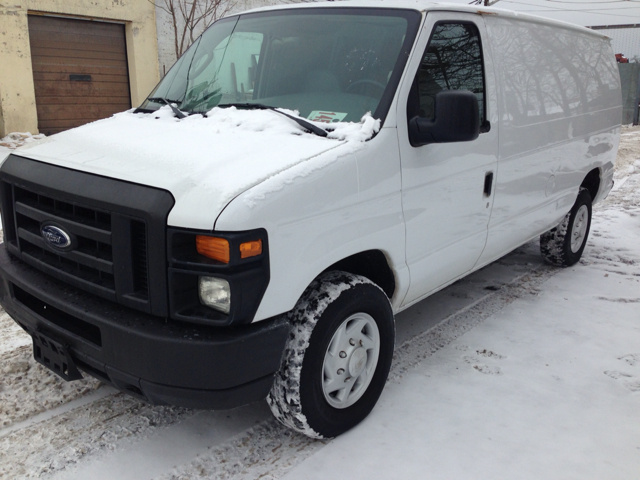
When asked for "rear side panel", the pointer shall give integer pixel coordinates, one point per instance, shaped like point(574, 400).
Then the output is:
point(560, 112)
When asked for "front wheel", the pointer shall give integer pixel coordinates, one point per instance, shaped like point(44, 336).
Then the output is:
point(337, 358)
point(564, 244)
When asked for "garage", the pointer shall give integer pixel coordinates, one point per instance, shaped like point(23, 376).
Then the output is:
point(80, 71)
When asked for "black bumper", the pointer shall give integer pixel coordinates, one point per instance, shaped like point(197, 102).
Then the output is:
point(161, 361)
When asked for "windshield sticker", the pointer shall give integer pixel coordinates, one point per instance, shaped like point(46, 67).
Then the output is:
point(326, 117)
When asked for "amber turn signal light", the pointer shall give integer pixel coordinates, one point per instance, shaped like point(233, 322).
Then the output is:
point(251, 249)
point(213, 247)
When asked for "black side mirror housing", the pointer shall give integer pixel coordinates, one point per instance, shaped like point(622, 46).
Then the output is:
point(457, 119)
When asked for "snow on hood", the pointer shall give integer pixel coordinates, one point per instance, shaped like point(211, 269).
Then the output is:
point(204, 162)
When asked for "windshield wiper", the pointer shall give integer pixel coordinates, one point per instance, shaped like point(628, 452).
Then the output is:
point(300, 121)
point(177, 112)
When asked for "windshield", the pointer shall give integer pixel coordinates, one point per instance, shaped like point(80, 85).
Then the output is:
point(329, 64)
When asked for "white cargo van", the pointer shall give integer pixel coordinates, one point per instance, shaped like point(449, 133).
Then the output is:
point(300, 175)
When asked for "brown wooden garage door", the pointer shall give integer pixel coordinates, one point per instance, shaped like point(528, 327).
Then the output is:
point(79, 70)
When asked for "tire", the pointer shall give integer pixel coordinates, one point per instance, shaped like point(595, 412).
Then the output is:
point(564, 244)
point(342, 333)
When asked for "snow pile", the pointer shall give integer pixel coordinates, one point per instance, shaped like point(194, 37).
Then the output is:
point(232, 120)
point(226, 120)
point(356, 132)
point(17, 139)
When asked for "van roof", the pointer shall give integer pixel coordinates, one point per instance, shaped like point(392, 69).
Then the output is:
point(431, 6)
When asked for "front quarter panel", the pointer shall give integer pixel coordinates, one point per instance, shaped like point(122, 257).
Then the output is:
point(339, 203)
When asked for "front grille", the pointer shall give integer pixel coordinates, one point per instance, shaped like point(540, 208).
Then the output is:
point(92, 259)
point(139, 259)
point(90, 265)
point(117, 231)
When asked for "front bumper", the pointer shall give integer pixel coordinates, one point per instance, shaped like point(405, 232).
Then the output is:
point(155, 359)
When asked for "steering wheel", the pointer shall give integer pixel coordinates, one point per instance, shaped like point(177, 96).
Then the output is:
point(366, 81)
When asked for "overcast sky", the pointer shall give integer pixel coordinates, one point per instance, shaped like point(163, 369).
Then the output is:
point(587, 12)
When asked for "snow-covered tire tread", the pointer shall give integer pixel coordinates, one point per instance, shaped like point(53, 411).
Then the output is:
point(555, 245)
point(284, 399)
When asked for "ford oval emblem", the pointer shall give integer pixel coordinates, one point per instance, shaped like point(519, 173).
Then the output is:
point(55, 236)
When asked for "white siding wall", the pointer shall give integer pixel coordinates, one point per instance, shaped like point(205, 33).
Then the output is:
point(625, 41)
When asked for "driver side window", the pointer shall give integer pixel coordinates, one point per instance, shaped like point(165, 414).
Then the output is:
point(452, 61)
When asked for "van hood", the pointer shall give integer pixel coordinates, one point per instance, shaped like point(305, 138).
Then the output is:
point(204, 162)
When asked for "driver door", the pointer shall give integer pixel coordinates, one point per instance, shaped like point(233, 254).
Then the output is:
point(447, 188)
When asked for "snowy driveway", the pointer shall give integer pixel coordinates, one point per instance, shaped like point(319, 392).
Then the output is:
point(521, 370)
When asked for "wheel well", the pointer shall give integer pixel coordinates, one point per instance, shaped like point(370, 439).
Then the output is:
point(371, 264)
point(592, 183)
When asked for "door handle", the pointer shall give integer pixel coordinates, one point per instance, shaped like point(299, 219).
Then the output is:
point(488, 183)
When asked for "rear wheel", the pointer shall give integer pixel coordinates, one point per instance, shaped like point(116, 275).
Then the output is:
point(564, 244)
point(337, 358)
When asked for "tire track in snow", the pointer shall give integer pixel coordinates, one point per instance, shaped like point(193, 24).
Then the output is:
point(102, 392)
point(266, 451)
point(41, 449)
point(27, 388)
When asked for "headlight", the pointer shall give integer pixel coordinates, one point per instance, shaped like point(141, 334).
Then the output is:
point(215, 293)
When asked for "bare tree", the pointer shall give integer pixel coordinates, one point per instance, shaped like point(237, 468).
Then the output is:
point(191, 17)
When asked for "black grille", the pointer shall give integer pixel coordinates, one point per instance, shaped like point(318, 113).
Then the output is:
point(90, 261)
point(139, 259)
point(117, 231)
point(90, 264)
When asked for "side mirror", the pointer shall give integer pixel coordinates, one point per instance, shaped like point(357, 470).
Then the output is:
point(457, 119)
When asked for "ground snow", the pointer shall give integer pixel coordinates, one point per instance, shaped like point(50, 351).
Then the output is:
point(11, 335)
